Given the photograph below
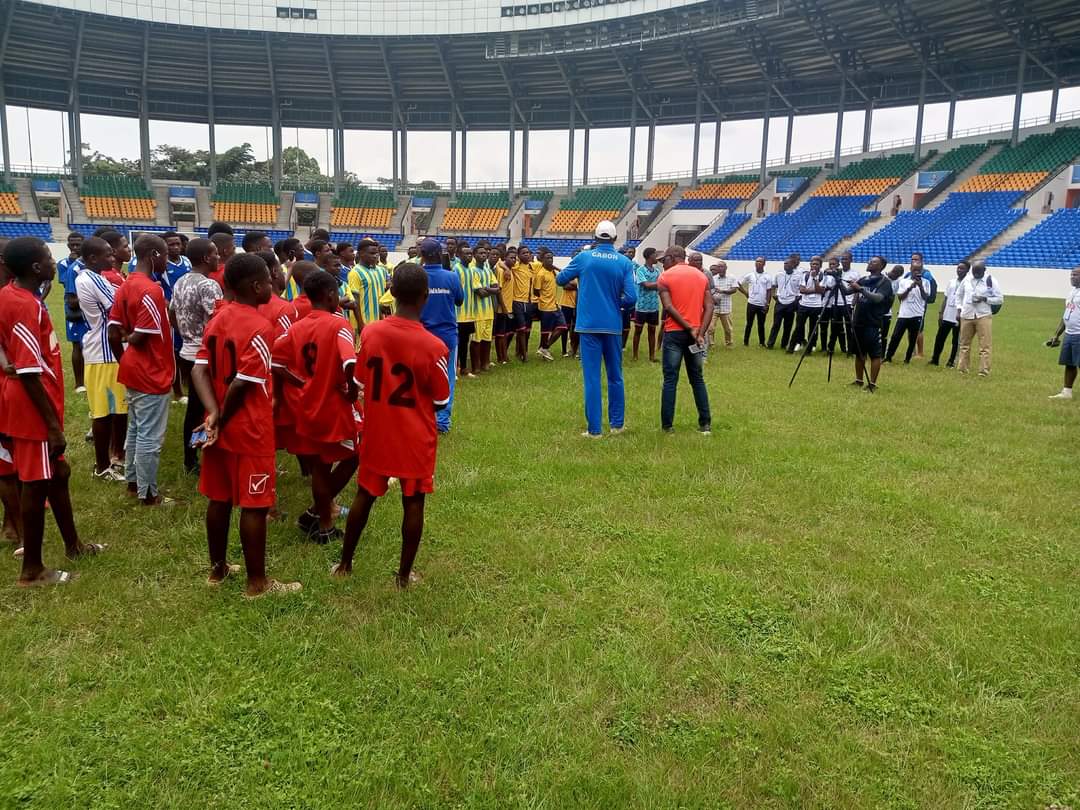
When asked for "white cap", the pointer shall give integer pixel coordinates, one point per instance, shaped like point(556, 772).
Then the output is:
point(605, 230)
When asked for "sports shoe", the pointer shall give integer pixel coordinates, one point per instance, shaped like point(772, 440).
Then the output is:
point(870, 388)
point(80, 389)
point(277, 589)
point(616, 431)
point(1062, 394)
point(308, 522)
point(181, 401)
point(566, 354)
point(108, 474)
point(856, 383)
point(545, 354)
point(587, 435)
point(705, 431)
point(323, 537)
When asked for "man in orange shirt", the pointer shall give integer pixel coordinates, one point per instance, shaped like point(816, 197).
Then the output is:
point(688, 309)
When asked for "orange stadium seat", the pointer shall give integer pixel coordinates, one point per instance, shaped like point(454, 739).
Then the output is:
point(718, 191)
point(1003, 181)
point(9, 204)
point(124, 208)
point(252, 213)
point(870, 186)
point(661, 191)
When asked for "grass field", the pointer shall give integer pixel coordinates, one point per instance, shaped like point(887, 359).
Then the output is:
point(838, 600)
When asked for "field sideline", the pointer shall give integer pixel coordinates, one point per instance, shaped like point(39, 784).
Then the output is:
point(837, 600)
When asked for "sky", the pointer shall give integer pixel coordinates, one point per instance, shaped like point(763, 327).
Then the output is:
point(368, 154)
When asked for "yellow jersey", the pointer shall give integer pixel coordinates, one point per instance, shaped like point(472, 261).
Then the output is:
point(523, 282)
point(544, 288)
point(506, 288)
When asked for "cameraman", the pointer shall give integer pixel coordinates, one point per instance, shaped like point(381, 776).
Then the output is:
point(873, 298)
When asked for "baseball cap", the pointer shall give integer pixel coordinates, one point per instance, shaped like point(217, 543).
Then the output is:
point(430, 247)
point(605, 229)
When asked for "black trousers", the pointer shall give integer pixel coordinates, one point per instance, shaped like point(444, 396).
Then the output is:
point(804, 325)
point(838, 331)
point(904, 326)
point(886, 324)
point(193, 415)
point(944, 329)
point(464, 331)
point(783, 315)
point(754, 312)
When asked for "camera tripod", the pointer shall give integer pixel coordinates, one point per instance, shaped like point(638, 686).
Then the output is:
point(834, 300)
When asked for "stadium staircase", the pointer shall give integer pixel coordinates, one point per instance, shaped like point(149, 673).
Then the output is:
point(76, 211)
point(204, 211)
point(966, 174)
point(1053, 242)
point(719, 231)
point(163, 209)
point(553, 205)
point(25, 193)
point(285, 212)
point(322, 216)
point(438, 214)
point(1027, 223)
point(865, 232)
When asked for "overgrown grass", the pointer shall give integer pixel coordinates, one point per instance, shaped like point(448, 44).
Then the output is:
point(837, 600)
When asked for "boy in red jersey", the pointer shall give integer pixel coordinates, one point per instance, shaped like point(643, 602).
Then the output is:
point(280, 313)
point(9, 481)
point(403, 376)
point(32, 410)
point(232, 376)
point(316, 358)
point(300, 271)
point(140, 318)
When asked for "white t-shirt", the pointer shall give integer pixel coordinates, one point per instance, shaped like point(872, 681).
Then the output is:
point(758, 286)
point(723, 302)
point(787, 287)
point(914, 306)
point(847, 277)
point(949, 312)
point(1072, 312)
point(96, 295)
point(813, 300)
point(970, 289)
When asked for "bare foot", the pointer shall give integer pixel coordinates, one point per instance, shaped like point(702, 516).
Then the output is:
point(11, 534)
point(88, 550)
point(414, 578)
point(47, 576)
point(340, 571)
point(219, 573)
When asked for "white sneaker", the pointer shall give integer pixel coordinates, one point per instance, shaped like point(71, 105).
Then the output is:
point(544, 353)
point(109, 474)
point(587, 435)
point(1062, 394)
point(616, 431)
point(181, 401)
point(80, 389)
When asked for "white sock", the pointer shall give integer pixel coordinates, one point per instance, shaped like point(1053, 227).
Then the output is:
point(1067, 391)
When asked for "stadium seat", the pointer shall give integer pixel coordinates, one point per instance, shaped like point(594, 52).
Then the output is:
point(476, 211)
point(586, 208)
point(250, 203)
point(112, 197)
point(1053, 243)
point(710, 240)
point(13, 230)
point(363, 208)
point(9, 201)
point(661, 191)
point(387, 240)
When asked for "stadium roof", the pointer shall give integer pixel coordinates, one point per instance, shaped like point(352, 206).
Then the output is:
point(803, 59)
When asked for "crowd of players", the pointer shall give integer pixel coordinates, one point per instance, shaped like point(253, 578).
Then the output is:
point(266, 342)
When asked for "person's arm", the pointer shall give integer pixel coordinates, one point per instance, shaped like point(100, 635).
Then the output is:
point(905, 293)
point(1056, 339)
point(629, 294)
point(923, 293)
point(769, 297)
point(459, 293)
point(116, 340)
point(71, 304)
point(674, 314)
point(39, 398)
point(706, 318)
point(994, 296)
point(569, 273)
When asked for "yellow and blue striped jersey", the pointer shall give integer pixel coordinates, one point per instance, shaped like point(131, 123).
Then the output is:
point(467, 312)
point(367, 285)
point(484, 276)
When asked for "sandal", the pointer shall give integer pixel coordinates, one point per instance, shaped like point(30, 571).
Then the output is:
point(230, 570)
point(277, 589)
point(90, 550)
point(49, 577)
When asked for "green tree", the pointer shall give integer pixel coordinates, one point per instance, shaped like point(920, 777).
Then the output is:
point(178, 163)
point(97, 163)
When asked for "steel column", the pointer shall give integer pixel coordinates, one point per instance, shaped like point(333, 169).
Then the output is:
point(464, 155)
point(275, 146)
point(453, 156)
point(632, 150)
point(697, 134)
point(394, 145)
point(716, 147)
point(510, 189)
point(839, 123)
point(650, 149)
point(585, 160)
point(404, 153)
point(4, 145)
point(76, 143)
point(763, 174)
point(1019, 97)
point(787, 139)
point(920, 113)
point(952, 118)
point(524, 154)
point(1054, 102)
point(867, 124)
point(570, 152)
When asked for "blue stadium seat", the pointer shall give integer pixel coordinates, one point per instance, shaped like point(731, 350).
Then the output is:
point(710, 240)
point(13, 230)
point(725, 202)
point(388, 240)
point(811, 229)
point(559, 247)
point(1053, 243)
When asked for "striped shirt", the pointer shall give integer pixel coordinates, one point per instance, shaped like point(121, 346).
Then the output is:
point(96, 296)
point(484, 276)
point(468, 312)
point(367, 285)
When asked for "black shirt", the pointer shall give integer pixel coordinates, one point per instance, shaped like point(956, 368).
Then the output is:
point(869, 312)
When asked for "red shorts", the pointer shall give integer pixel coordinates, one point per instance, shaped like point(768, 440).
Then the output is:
point(7, 465)
point(282, 435)
point(30, 458)
point(326, 452)
point(376, 484)
point(245, 481)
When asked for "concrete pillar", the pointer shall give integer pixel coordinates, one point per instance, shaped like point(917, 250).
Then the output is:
point(763, 174)
point(650, 149)
point(524, 154)
point(839, 123)
point(697, 135)
point(952, 118)
point(394, 145)
point(76, 143)
point(585, 160)
point(867, 124)
point(464, 156)
point(339, 151)
point(787, 137)
point(1020, 70)
point(510, 187)
point(920, 112)
point(633, 148)
point(716, 147)
point(144, 136)
point(275, 147)
point(453, 155)
point(570, 152)
point(404, 153)
point(1054, 102)
point(4, 135)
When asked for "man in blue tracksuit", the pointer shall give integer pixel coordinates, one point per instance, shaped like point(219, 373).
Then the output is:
point(439, 315)
point(605, 283)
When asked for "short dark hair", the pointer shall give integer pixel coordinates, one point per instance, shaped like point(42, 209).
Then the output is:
point(342, 247)
point(648, 253)
point(218, 227)
point(289, 245)
point(111, 236)
point(147, 244)
point(21, 253)
point(915, 253)
point(102, 230)
point(241, 268)
point(409, 283)
point(197, 249)
point(302, 269)
point(221, 239)
point(321, 233)
point(92, 246)
point(270, 258)
point(318, 285)
point(964, 262)
point(366, 242)
point(171, 235)
point(250, 238)
point(315, 245)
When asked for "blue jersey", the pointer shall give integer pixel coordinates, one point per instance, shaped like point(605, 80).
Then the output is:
point(606, 284)
point(444, 296)
point(66, 270)
point(173, 273)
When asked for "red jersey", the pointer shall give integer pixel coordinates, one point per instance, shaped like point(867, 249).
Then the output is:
point(303, 305)
point(401, 369)
point(140, 307)
point(280, 313)
point(237, 346)
point(28, 340)
point(114, 277)
point(218, 276)
point(319, 349)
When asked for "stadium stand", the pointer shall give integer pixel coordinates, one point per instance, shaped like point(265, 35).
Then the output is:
point(710, 241)
point(476, 211)
point(581, 212)
point(835, 210)
point(559, 247)
point(958, 159)
point(388, 240)
point(661, 191)
point(980, 209)
point(809, 172)
point(117, 197)
point(727, 192)
point(9, 201)
point(1054, 242)
point(13, 230)
point(363, 208)
point(249, 203)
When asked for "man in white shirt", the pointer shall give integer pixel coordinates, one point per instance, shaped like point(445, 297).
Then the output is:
point(1070, 325)
point(849, 275)
point(722, 289)
point(758, 289)
point(913, 293)
point(836, 309)
point(976, 298)
point(787, 300)
point(949, 319)
point(811, 306)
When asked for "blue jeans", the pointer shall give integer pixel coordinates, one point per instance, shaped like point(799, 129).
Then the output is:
point(442, 418)
point(595, 347)
point(147, 416)
point(676, 350)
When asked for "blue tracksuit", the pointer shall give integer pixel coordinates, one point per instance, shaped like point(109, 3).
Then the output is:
point(439, 317)
point(605, 284)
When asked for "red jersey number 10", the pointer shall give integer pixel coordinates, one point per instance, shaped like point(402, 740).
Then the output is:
point(230, 349)
point(400, 395)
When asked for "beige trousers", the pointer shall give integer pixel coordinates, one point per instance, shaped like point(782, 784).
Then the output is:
point(971, 328)
point(725, 320)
